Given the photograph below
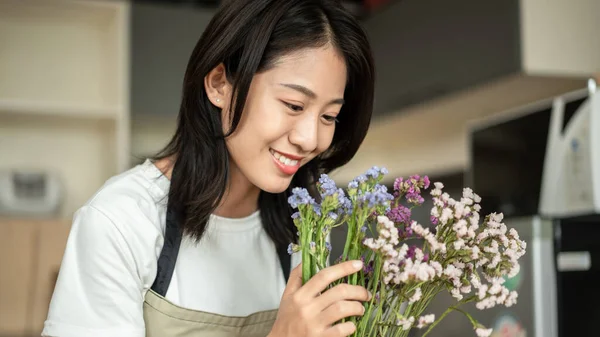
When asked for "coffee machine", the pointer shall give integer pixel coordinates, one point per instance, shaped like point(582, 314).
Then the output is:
point(540, 166)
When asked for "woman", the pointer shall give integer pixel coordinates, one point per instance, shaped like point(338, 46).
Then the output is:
point(193, 243)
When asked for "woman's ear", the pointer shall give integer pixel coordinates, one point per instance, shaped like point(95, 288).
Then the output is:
point(218, 88)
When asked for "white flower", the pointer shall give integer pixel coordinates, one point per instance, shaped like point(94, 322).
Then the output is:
point(467, 193)
point(458, 210)
point(483, 332)
point(482, 291)
point(416, 296)
point(446, 215)
point(475, 281)
point(459, 244)
point(405, 323)
point(425, 320)
point(456, 294)
point(467, 201)
point(512, 299)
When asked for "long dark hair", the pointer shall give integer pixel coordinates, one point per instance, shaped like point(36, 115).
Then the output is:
point(248, 36)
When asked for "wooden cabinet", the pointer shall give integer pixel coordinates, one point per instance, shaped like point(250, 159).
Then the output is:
point(30, 255)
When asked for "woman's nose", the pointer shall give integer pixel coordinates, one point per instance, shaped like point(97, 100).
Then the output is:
point(304, 134)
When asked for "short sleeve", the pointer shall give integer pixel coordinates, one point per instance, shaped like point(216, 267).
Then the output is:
point(99, 291)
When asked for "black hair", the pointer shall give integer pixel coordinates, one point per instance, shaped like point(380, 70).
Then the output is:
point(248, 36)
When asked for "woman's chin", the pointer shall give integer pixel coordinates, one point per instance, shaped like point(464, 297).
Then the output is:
point(275, 185)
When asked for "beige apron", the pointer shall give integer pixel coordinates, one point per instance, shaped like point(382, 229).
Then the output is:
point(165, 319)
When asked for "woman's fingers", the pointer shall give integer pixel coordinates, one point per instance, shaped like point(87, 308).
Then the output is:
point(342, 292)
point(340, 330)
point(339, 310)
point(294, 281)
point(318, 283)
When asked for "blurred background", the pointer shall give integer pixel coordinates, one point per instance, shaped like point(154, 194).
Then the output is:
point(497, 95)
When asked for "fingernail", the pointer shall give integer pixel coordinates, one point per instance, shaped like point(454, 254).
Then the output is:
point(369, 296)
point(364, 309)
point(357, 264)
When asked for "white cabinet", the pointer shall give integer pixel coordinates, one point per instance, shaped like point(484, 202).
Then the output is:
point(64, 91)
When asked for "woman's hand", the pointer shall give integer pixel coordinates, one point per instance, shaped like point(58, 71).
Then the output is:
point(306, 310)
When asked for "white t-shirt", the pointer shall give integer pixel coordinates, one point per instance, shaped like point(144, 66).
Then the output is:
point(111, 257)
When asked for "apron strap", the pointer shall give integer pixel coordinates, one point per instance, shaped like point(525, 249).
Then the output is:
point(168, 254)
point(170, 250)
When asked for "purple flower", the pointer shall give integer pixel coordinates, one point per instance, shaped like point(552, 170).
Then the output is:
point(426, 182)
point(361, 178)
point(398, 184)
point(363, 229)
point(411, 252)
point(425, 257)
point(434, 220)
point(313, 245)
point(296, 215)
point(400, 214)
point(328, 246)
point(352, 184)
point(299, 197)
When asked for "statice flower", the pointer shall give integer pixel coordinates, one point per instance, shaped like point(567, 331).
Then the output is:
point(300, 196)
point(326, 186)
point(425, 321)
point(407, 264)
point(375, 172)
point(481, 332)
point(378, 197)
point(399, 214)
point(411, 188)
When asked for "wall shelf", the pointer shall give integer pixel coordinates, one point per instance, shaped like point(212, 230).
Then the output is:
point(64, 91)
point(55, 109)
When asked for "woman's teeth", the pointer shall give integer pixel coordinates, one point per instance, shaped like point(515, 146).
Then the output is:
point(284, 160)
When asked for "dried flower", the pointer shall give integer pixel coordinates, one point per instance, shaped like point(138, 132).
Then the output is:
point(461, 253)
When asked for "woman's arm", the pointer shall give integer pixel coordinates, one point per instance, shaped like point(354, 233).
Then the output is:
point(99, 291)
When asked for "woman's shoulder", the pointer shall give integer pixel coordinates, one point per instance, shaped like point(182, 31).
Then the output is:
point(134, 200)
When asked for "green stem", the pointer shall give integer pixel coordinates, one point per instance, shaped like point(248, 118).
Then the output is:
point(449, 310)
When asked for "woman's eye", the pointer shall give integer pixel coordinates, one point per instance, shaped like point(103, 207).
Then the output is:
point(330, 119)
point(294, 107)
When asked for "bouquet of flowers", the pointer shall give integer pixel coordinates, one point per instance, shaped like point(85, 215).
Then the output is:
point(406, 264)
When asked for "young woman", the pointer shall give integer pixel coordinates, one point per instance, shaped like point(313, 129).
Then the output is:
point(193, 242)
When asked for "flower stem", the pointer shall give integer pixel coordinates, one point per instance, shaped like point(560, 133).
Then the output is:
point(449, 310)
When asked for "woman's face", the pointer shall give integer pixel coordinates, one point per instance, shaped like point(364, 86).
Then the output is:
point(288, 119)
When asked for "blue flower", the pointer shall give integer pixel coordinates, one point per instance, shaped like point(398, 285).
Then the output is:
point(361, 178)
point(328, 246)
point(317, 209)
point(296, 215)
point(299, 197)
point(292, 248)
point(353, 184)
point(333, 216)
point(343, 201)
point(375, 171)
point(327, 185)
point(377, 197)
